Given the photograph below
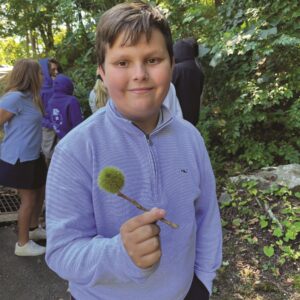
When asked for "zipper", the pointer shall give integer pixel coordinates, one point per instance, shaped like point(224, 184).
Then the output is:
point(148, 139)
point(153, 166)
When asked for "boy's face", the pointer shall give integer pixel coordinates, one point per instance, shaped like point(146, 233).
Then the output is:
point(138, 78)
point(53, 70)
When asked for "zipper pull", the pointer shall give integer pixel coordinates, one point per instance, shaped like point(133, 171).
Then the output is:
point(148, 139)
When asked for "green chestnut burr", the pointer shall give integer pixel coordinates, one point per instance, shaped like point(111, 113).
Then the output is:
point(112, 180)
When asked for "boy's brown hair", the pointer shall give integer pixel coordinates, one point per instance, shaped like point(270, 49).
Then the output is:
point(133, 19)
point(55, 61)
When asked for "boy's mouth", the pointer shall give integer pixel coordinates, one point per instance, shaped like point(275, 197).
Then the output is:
point(140, 90)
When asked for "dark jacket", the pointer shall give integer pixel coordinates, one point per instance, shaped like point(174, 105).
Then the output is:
point(63, 108)
point(188, 80)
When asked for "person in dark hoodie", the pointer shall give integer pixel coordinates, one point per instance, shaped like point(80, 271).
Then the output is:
point(63, 108)
point(188, 79)
point(50, 69)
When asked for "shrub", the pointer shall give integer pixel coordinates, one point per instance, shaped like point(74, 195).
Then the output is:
point(251, 108)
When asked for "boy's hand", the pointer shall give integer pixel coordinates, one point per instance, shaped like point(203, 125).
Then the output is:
point(140, 237)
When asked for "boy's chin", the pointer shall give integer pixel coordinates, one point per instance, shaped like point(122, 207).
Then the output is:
point(144, 115)
point(146, 121)
point(140, 114)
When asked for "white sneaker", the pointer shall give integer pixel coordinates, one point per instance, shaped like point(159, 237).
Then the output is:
point(37, 234)
point(29, 249)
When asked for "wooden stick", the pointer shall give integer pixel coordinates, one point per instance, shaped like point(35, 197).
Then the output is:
point(268, 210)
point(139, 206)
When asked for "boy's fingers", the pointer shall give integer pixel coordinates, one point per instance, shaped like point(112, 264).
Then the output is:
point(146, 232)
point(149, 217)
point(149, 260)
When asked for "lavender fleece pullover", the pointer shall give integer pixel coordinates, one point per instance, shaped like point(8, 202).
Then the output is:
point(169, 169)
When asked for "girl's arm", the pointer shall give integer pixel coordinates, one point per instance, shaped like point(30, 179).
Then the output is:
point(5, 116)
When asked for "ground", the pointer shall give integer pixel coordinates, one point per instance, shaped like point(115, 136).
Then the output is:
point(247, 272)
point(247, 275)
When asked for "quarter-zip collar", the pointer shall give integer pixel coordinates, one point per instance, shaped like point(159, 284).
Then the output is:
point(165, 118)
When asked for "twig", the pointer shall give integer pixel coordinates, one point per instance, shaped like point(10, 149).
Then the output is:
point(258, 202)
point(272, 216)
point(139, 206)
point(268, 210)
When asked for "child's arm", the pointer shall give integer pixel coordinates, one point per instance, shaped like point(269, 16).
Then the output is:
point(140, 237)
point(9, 107)
point(209, 230)
point(74, 248)
point(5, 116)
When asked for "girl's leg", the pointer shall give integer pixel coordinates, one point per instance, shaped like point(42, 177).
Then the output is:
point(40, 196)
point(26, 211)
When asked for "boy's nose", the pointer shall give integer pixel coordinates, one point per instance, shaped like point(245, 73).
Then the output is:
point(140, 72)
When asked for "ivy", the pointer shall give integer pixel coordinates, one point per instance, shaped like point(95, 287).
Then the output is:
point(270, 219)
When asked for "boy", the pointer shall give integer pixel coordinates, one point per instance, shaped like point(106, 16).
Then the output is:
point(102, 244)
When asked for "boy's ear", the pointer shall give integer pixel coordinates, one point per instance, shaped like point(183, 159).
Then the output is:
point(100, 71)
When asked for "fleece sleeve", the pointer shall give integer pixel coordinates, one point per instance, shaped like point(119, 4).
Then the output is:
point(74, 249)
point(209, 230)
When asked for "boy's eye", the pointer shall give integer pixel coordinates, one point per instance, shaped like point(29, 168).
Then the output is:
point(153, 61)
point(122, 64)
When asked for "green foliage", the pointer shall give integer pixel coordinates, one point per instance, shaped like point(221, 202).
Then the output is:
point(269, 218)
point(111, 179)
point(81, 69)
point(10, 51)
point(33, 21)
point(250, 115)
point(269, 251)
point(76, 49)
point(296, 281)
point(188, 18)
point(251, 108)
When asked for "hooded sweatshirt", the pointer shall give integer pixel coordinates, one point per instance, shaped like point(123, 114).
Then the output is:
point(63, 108)
point(188, 80)
point(46, 91)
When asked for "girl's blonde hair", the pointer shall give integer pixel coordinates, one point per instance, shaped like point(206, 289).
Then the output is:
point(26, 76)
point(101, 93)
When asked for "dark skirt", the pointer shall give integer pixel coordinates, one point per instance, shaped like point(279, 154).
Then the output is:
point(24, 175)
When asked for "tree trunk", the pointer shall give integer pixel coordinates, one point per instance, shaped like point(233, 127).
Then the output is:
point(47, 36)
point(50, 37)
point(33, 42)
point(81, 25)
point(69, 28)
point(27, 44)
point(218, 3)
point(44, 38)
